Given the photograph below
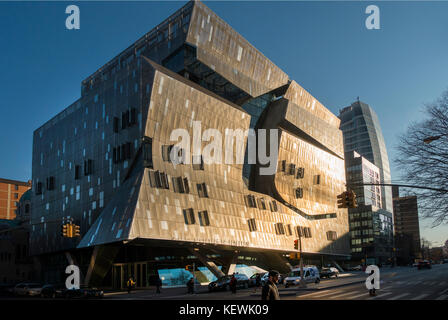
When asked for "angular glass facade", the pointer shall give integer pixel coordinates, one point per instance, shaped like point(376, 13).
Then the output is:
point(362, 133)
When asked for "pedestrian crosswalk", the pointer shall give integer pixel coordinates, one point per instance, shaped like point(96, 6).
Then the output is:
point(343, 294)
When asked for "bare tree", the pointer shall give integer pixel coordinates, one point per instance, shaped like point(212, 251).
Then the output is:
point(426, 163)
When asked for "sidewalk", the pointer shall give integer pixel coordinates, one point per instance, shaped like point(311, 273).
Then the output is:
point(151, 291)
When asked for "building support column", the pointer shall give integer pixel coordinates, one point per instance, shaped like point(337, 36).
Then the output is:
point(209, 264)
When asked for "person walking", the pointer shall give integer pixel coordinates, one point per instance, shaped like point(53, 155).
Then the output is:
point(233, 283)
point(257, 282)
point(270, 290)
point(158, 285)
point(190, 286)
point(130, 284)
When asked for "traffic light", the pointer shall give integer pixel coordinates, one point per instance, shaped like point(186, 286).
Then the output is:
point(76, 231)
point(65, 230)
point(351, 199)
point(342, 200)
point(296, 244)
point(292, 256)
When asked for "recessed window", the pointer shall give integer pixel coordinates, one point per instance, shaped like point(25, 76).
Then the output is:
point(273, 206)
point(202, 190)
point(203, 218)
point(88, 167)
point(147, 152)
point(283, 166)
point(189, 216)
point(50, 183)
point(158, 179)
point(181, 185)
point(300, 173)
point(292, 169)
point(299, 193)
point(316, 179)
point(250, 201)
point(279, 229)
point(77, 172)
point(38, 188)
point(198, 163)
point(261, 203)
point(252, 225)
point(288, 230)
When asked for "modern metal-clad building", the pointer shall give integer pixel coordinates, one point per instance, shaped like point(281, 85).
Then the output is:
point(105, 163)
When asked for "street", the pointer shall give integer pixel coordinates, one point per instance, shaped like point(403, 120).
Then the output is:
point(400, 283)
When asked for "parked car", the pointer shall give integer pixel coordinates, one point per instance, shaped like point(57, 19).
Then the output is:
point(84, 292)
point(27, 289)
point(253, 279)
point(53, 290)
point(327, 273)
point(356, 268)
point(425, 264)
point(264, 278)
point(310, 274)
point(335, 270)
point(223, 283)
point(445, 260)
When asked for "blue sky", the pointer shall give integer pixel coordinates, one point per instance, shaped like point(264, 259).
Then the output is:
point(324, 46)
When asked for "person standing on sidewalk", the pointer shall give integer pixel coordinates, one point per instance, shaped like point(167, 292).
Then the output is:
point(158, 285)
point(270, 290)
point(130, 284)
point(232, 283)
point(257, 282)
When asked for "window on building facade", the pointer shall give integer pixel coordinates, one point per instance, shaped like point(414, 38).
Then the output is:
point(331, 235)
point(250, 201)
point(279, 229)
point(288, 230)
point(38, 188)
point(261, 203)
point(316, 179)
point(203, 218)
point(299, 193)
point(50, 183)
point(292, 169)
point(252, 225)
point(88, 167)
point(189, 216)
point(300, 173)
point(202, 190)
point(198, 162)
point(158, 179)
point(273, 206)
point(77, 172)
point(147, 152)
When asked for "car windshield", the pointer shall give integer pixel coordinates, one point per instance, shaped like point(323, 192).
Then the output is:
point(294, 274)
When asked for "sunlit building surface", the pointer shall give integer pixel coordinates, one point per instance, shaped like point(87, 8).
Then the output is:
point(407, 227)
point(104, 163)
point(371, 228)
point(362, 133)
point(10, 193)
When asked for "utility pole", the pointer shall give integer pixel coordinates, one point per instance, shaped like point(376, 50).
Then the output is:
point(302, 281)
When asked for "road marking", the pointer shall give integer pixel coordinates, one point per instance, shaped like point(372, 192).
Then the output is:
point(442, 297)
point(341, 295)
point(420, 297)
point(380, 296)
point(356, 296)
point(399, 296)
point(325, 293)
